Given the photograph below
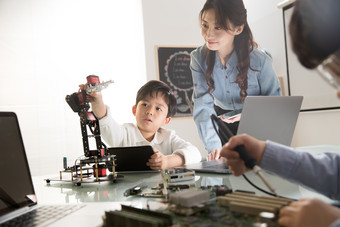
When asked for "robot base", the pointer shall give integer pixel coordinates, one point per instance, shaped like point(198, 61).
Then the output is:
point(80, 174)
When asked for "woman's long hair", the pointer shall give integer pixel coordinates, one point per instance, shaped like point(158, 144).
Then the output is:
point(232, 11)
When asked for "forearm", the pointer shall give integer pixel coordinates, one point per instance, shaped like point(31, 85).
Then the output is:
point(113, 133)
point(174, 160)
point(99, 109)
point(304, 168)
point(202, 110)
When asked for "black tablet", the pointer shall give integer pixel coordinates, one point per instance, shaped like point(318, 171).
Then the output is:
point(131, 158)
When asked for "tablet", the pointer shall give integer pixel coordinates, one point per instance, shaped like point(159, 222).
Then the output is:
point(131, 158)
point(213, 166)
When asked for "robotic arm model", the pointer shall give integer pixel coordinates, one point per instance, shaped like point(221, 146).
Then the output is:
point(79, 103)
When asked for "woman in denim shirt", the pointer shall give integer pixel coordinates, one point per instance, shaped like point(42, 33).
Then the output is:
point(226, 69)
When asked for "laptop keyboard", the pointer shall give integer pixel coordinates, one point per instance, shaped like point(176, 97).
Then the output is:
point(43, 216)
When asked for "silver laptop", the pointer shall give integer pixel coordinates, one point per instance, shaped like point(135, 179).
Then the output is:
point(18, 201)
point(263, 117)
point(213, 166)
point(270, 117)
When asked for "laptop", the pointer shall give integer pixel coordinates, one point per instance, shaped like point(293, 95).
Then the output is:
point(18, 201)
point(213, 166)
point(132, 159)
point(270, 117)
point(265, 118)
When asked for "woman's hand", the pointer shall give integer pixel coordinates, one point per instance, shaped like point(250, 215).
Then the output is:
point(214, 155)
point(231, 119)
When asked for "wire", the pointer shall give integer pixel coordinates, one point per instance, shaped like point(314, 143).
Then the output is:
point(244, 176)
point(257, 187)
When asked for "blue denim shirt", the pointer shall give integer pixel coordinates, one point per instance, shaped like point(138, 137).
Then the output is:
point(227, 93)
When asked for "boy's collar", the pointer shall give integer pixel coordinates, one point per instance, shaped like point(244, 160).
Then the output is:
point(157, 139)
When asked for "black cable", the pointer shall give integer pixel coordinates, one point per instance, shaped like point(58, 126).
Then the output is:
point(224, 139)
point(257, 187)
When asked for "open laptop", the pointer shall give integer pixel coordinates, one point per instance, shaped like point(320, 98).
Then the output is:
point(18, 201)
point(270, 117)
point(263, 117)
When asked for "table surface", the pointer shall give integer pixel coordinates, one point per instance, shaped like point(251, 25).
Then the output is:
point(64, 192)
point(61, 192)
point(107, 195)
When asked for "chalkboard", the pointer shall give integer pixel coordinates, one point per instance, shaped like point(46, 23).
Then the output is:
point(174, 69)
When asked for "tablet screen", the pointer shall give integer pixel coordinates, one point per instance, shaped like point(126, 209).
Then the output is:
point(131, 158)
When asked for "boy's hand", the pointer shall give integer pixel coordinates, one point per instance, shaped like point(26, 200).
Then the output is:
point(157, 161)
point(97, 103)
point(96, 97)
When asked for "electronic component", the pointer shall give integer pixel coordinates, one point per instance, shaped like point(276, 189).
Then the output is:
point(247, 203)
point(100, 170)
point(189, 198)
point(192, 207)
point(178, 175)
point(177, 187)
point(65, 163)
point(135, 190)
point(188, 202)
point(130, 216)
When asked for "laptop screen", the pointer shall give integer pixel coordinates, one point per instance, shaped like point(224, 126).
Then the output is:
point(270, 117)
point(16, 187)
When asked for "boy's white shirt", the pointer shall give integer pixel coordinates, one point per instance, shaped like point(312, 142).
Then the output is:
point(128, 134)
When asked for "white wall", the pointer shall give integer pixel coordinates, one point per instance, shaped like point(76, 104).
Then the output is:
point(176, 23)
point(47, 48)
point(173, 22)
point(266, 21)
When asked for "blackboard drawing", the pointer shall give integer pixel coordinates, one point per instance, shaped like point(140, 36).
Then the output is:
point(174, 69)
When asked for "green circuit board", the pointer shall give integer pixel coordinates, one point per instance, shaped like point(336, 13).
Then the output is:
point(232, 209)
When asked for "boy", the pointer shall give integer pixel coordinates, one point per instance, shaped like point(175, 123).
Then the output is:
point(155, 105)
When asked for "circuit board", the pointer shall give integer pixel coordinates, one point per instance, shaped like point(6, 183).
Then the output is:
point(230, 209)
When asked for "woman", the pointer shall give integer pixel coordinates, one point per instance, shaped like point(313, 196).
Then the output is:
point(226, 69)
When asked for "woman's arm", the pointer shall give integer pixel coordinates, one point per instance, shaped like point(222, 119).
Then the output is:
point(203, 106)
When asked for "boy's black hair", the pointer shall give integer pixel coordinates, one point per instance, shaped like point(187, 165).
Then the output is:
point(157, 86)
